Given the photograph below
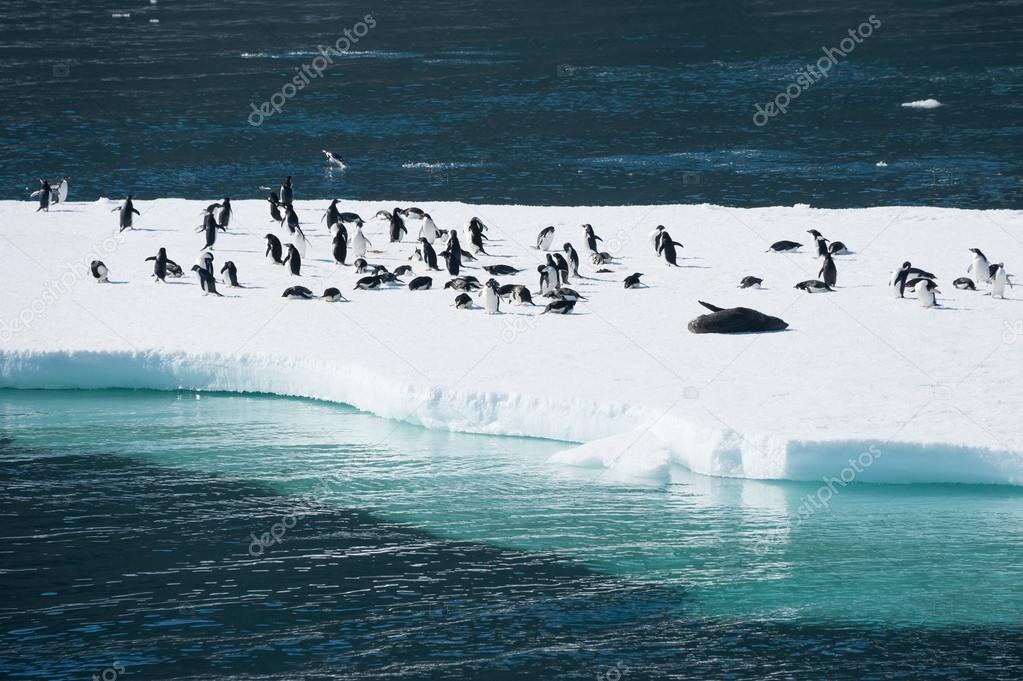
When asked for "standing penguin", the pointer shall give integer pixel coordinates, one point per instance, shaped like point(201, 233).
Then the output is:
point(491, 301)
point(206, 281)
point(396, 228)
point(209, 225)
point(429, 255)
point(275, 208)
point(291, 218)
point(591, 238)
point(544, 238)
point(428, 230)
point(980, 268)
point(655, 238)
point(666, 246)
point(452, 259)
point(925, 290)
point(999, 280)
point(232, 274)
point(44, 196)
point(339, 249)
point(822, 243)
point(274, 249)
point(562, 265)
point(99, 271)
point(549, 279)
point(476, 236)
point(332, 216)
point(127, 209)
point(294, 261)
point(205, 261)
point(901, 276)
point(160, 264)
point(573, 259)
point(455, 245)
point(287, 192)
point(224, 219)
point(360, 243)
point(828, 273)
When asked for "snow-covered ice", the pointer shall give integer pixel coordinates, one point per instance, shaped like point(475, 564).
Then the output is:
point(937, 392)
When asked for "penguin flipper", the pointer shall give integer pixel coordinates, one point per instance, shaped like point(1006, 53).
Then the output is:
point(712, 308)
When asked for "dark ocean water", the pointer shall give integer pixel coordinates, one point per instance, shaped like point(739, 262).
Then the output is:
point(548, 103)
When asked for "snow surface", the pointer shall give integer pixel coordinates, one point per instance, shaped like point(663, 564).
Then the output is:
point(936, 392)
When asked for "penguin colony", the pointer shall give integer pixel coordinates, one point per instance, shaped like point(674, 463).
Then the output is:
point(442, 253)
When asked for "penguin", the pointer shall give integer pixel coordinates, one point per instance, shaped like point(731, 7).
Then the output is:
point(998, 281)
point(820, 241)
point(964, 284)
point(522, 295)
point(464, 284)
point(548, 278)
point(564, 293)
point(396, 228)
point(367, 283)
point(428, 230)
point(751, 282)
point(127, 209)
point(402, 270)
point(452, 260)
point(655, 237)
point(925, 290)
point(333, 295)
point(501, 270)
point(559, 307)
point(287, 192)
point(828, 273)
point(591, 238)
point(632, 281)
point(160, 264)
point(666, 247)
point(232, 274)
point(352, 219)
point(209, 226)
point(205, 261)
point(413, 211)
point(44, 196)
point(429, 255)
point(463, 301)
point(420, 284)
point(275, 208)
point(838, 248)
point(206, 281)
point(601, 259)
point(544, 238)
point(224, 219)
point(813, 286)
point(360, 243)
point(784, 247)
point(573, 259)
point(335, 159)
point(901, 275)
point(491, 301)
point(99, 271)
point(454, 245)
point(476, 236)
point(174, 269)
point(274, 249)
point(293, 260)
point(290, 217)
point(980, 268)
point(561, 264)
point(297, 292)
point(386, 277)
point(339, 249)
point(332, 216)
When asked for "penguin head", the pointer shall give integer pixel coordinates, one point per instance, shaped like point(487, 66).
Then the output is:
point(567, 247)
point(540, 268)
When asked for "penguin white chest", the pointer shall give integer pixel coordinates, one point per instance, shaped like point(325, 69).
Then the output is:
point(491, 301)
point(998, 284)
point(924, 294)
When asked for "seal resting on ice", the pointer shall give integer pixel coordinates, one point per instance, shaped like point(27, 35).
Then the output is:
point(735, 320)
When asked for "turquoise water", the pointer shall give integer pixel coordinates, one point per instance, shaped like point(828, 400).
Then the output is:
point(922, 577)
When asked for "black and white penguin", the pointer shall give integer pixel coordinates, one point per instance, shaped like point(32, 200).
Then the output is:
point(402, 270)
point(300, 292)
point(287, 192)
point(561, 264)
point(420, 284)
point(429, 255)
point(454, 244)
point(463, 301)
point(591, 238)
point(413, 211)
point(367, 283)
point(205, 261)
point(290, 218)
point(274, 249)
point(127, 210)
point(452, 260)
point(332, 216)
point(339, 249)
point(925, 290)
point(901, 276)
point(491, 301)
point(784, 247)
point(564, 293)
point(559, 307)
point(476, 236)
point(209, 226)
point(655, 238)
point(396, 226)
point(820, 241)
point(99, 271)
point(979, 267)
point(44, 196)
point(666, 247)
point(751, 282)
point(521, 295)
point(387, 277)
point(838, 248)
point(813, 286)
point(293, 260)
point(224, 218)
point(501, 270)
point(275, 208)
point(828, 273)
point(999, 279)
point(160, 264)
point(964, 284)
point(632, 281)
point(549, 278)
point(428, 229)
point(573, 259)
point(206, 281)
point(231, 271)
point(351, 219)
point(544, 238)
point(359, 243)
point(464, 284)
point(333, 295)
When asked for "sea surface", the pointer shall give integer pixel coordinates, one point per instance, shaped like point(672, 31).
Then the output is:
point(174, 535)
point(504, 101)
